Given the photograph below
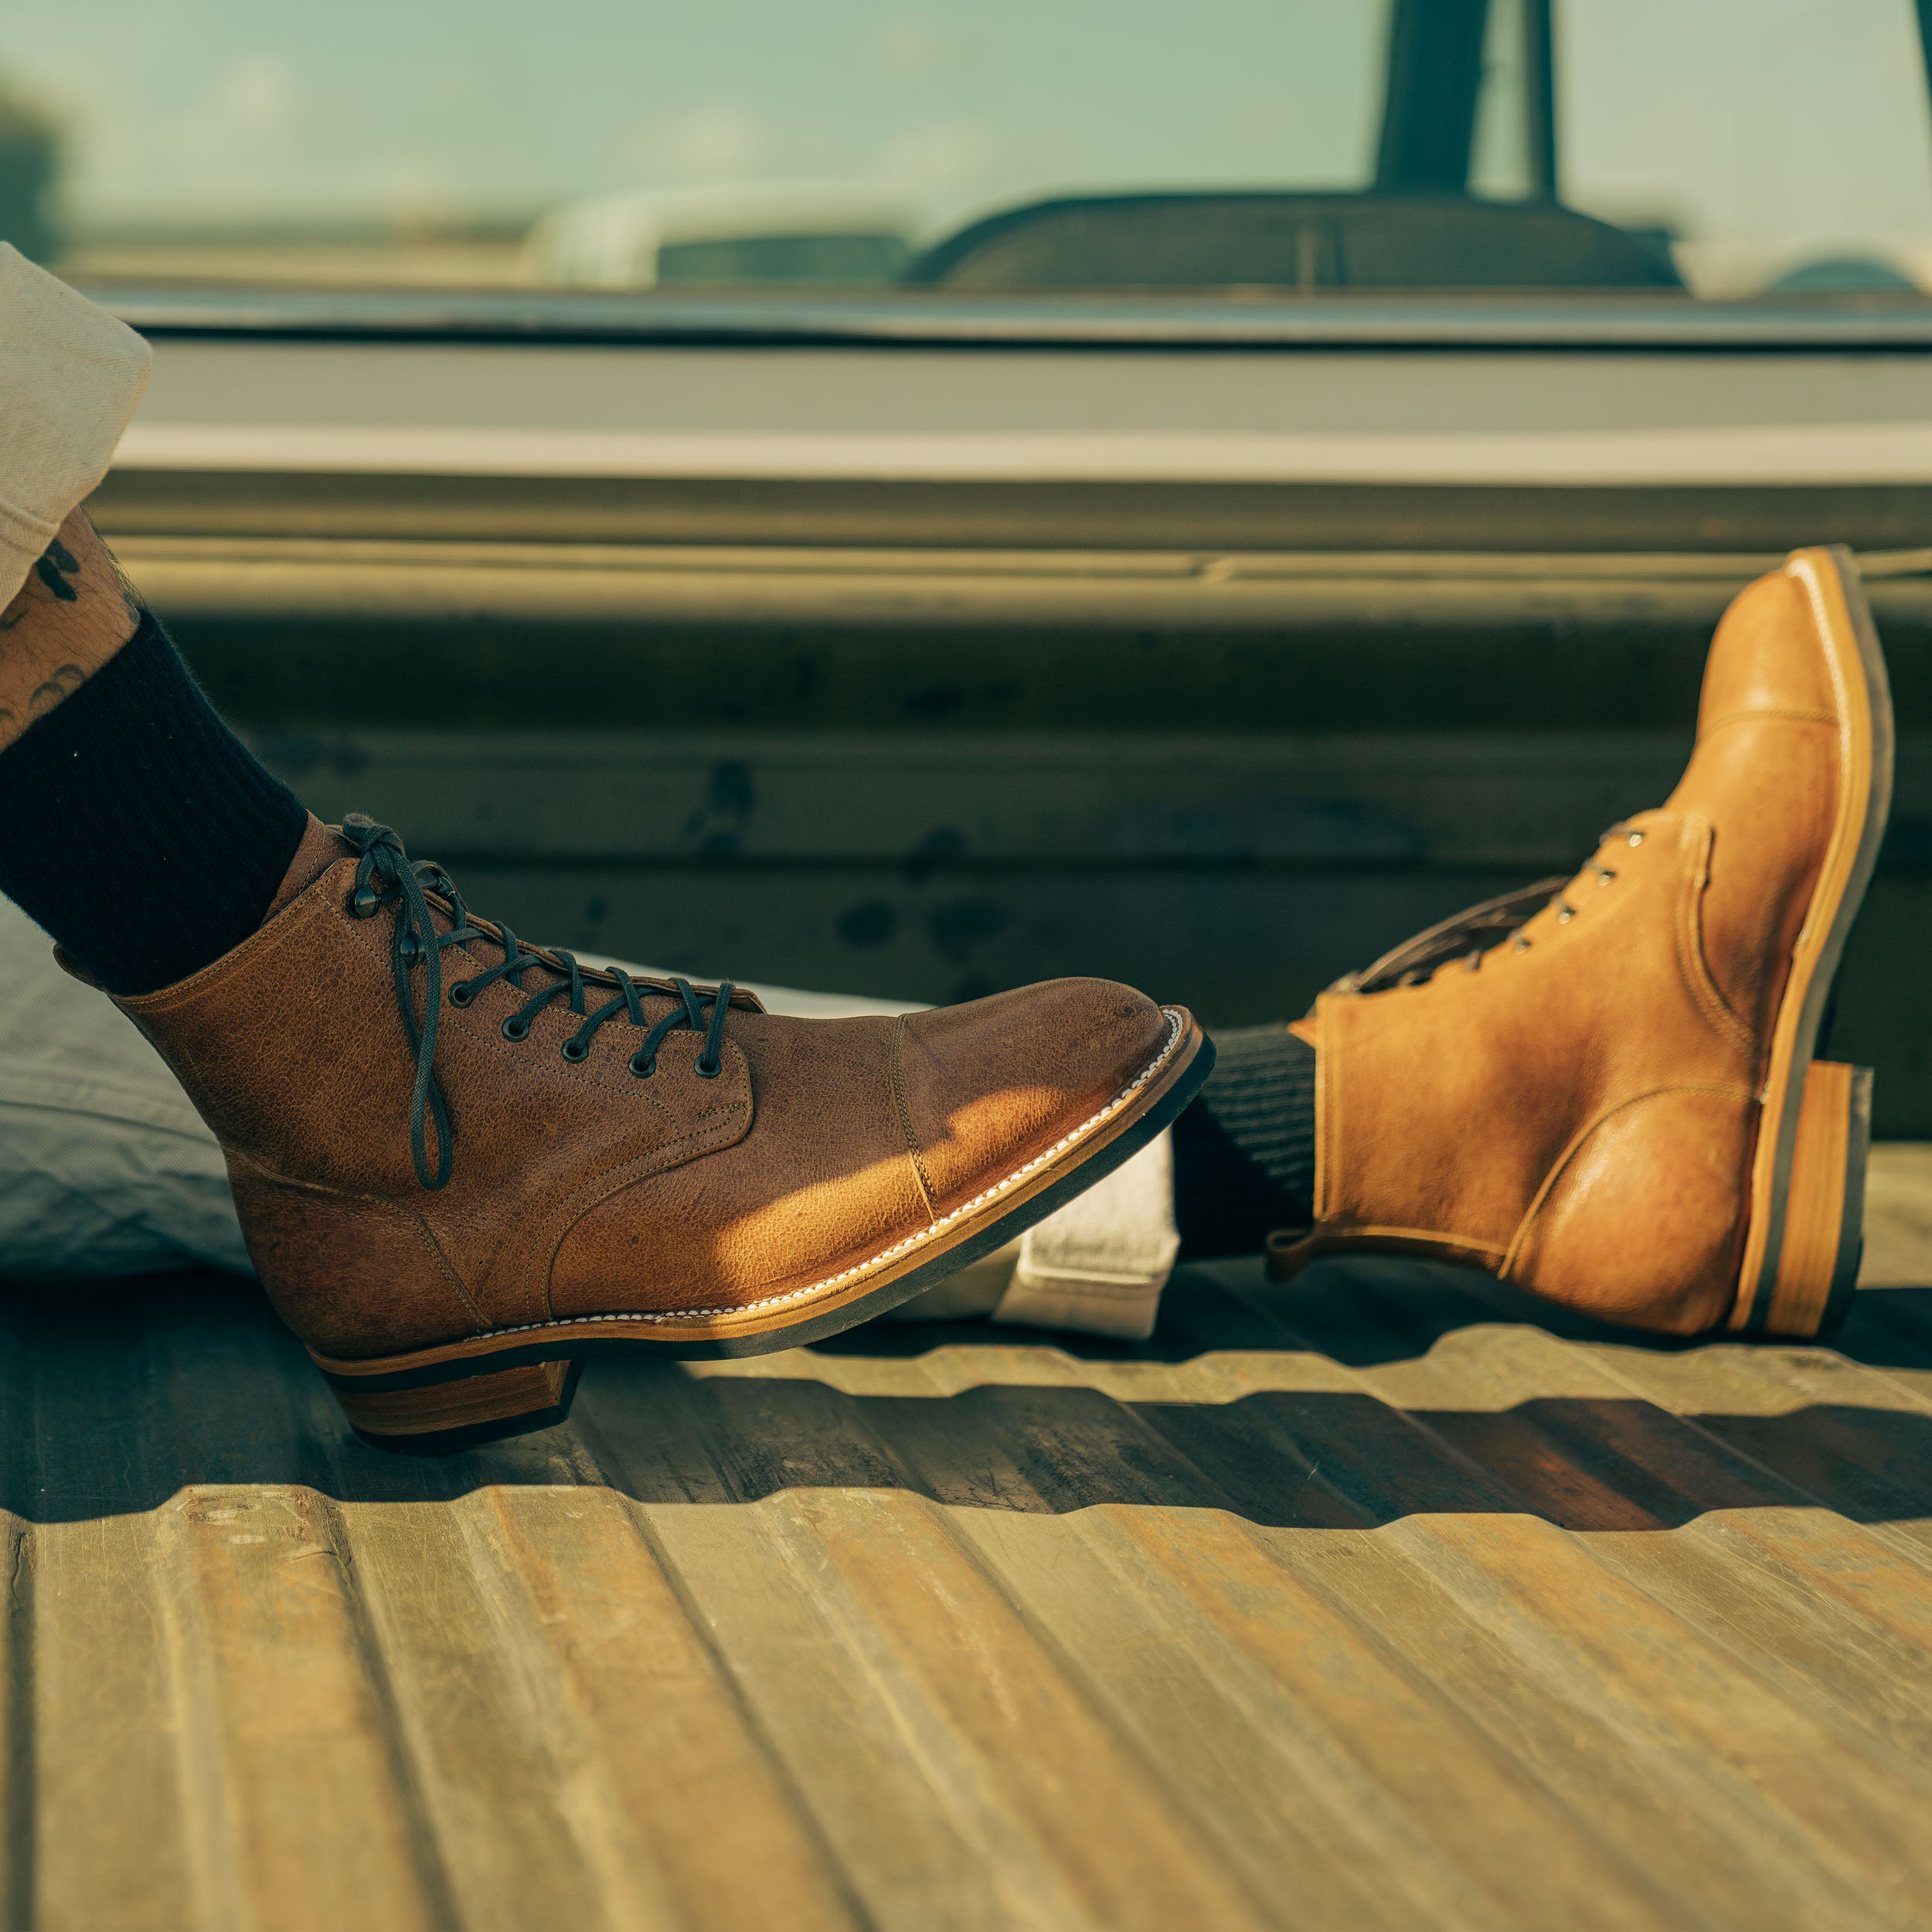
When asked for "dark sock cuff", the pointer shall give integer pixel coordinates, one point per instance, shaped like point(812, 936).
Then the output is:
point(137, 829)
point(1244, 1151)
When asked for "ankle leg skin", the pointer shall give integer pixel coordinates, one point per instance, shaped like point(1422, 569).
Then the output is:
point(74, 612)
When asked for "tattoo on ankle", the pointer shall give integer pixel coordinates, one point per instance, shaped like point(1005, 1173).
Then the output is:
point(64, 625)
point(59, 685)
point(69, 587)
point(55, 567)
point(63, 683)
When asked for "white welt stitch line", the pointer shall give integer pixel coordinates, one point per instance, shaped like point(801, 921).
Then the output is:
point(899, 1248)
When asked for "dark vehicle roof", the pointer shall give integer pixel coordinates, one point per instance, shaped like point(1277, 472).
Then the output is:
point(1296, 241)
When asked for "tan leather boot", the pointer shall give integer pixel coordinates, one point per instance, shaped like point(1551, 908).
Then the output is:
point(1617, 1106)
point(463, 1165)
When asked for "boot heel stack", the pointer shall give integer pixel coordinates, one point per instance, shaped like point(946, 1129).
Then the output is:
point(448, 1415)
point(1825, 1204)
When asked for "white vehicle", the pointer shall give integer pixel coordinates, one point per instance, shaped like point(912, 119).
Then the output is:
point(755, 233)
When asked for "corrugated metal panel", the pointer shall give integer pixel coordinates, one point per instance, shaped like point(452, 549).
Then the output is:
point(1364, 1603)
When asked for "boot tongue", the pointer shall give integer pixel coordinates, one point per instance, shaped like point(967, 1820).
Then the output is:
point(485, 948)
point(1474, 930)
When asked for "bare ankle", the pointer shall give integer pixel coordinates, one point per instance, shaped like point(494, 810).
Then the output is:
point(74, 612)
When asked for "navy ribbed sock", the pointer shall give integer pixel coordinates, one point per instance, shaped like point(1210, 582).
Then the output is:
point(136, 828)
point(1244, 1151)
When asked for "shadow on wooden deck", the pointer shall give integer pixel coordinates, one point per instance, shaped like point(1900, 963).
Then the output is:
point(1241, 1403)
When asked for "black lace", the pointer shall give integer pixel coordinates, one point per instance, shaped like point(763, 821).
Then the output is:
point(385, 875)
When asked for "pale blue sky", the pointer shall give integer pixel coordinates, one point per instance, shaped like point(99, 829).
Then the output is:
point(1773, 118)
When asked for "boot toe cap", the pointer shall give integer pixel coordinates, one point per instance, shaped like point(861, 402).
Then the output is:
point(988, 1086)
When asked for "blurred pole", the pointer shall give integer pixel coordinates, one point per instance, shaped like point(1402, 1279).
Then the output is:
point(1539, 93)
point(30, 158)
point(1925, 41)
point(1429, 106)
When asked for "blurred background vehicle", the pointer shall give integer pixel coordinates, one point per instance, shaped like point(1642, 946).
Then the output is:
point(1104, 143)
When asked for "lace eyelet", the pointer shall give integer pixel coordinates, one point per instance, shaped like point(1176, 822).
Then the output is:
point(363, 902)
point(516, 1029)
point(643, 1068)
point(705, 1073)
point(1636, 839)
point(1522, 944)
point(459, 994)
point(576, 1051)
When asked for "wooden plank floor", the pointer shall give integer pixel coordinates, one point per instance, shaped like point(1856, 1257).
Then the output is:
point(1377, 1601)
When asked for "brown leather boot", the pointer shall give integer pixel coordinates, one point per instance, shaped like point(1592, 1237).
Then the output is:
point(464, 1165)
point(1617, 1106)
